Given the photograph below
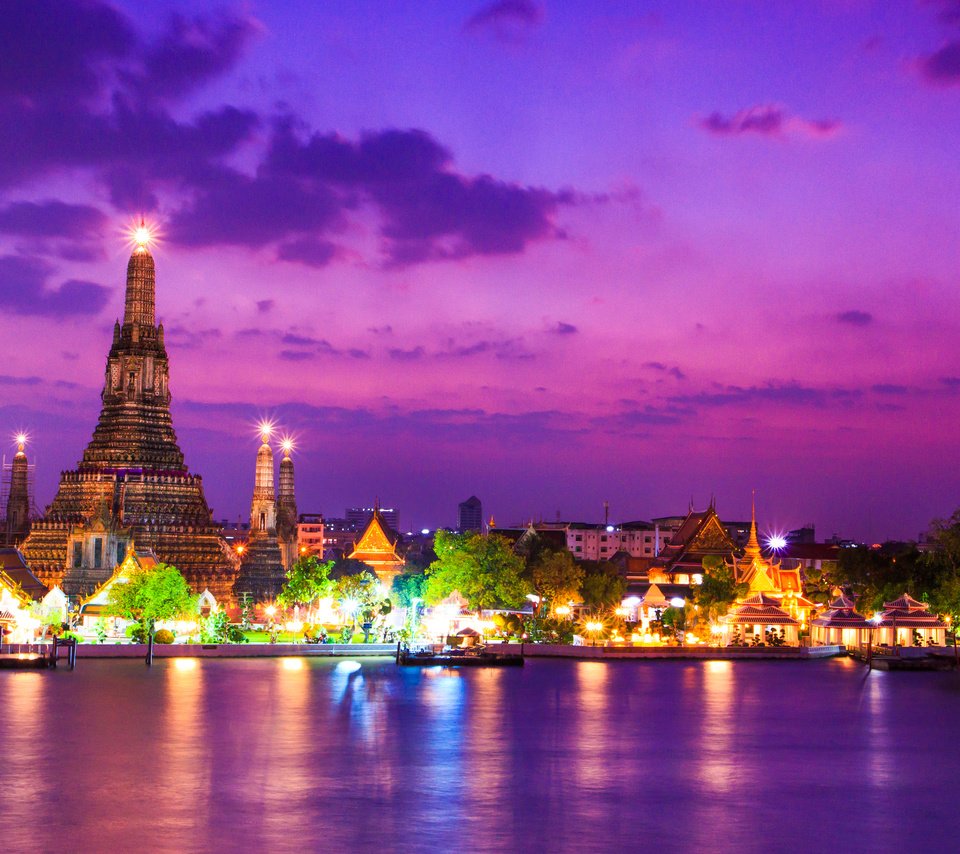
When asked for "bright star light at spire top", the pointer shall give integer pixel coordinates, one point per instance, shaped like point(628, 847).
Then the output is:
point(142, 234)
point(265, 429)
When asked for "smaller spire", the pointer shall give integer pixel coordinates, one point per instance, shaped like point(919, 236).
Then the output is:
point(752, 548)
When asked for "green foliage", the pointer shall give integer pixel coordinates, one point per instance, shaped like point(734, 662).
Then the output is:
point(213, 629)
point(485, 570)
point(719, 589)
point(247, 611)
point(157, 593)
point(101, 630)
point(603, 587)
point(557, 578)
point(163, 636)
point(407, 587)
point(307, 581)
point(235, 634)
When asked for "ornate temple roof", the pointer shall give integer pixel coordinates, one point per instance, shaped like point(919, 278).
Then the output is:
point(906, 612)
point(701, 534)
point(760, 610)
point(377, 545)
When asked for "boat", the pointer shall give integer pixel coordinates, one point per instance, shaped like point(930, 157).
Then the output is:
point(927, 662)
point(23, 661)
point(471, 657)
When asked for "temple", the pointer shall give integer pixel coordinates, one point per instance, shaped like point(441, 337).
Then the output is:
point(377, 548)
point(262, 569)
point(132, 481)
point(768, 577)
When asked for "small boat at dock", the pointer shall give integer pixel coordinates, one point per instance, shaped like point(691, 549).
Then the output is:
point(470, 657)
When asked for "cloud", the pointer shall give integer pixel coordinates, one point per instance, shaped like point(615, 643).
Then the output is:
point(562, 328)
point(52, 218)
point(889, 389)
point(428, 211)
point(952, 383)
point(670, 370)
point(412, 355)
point(855, 317)
point(312, 251)
point(790, 394)
point(265, 305)
point(768, 120)
point(73, 95)
point(942, 67)
point(55, 51)
point(507, 19)
point(192, 52)
point(24, 291)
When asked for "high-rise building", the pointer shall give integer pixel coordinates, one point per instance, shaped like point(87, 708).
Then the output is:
point(358, 517)
point(132, 483)
point(470, 515)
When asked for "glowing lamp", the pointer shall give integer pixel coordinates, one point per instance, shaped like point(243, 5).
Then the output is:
point(777, 542)
point(424, 531)
point(270, 610)
point(676, 602)
point(21, 440)
point(286, 445)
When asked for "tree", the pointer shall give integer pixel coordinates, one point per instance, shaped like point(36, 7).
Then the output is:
point(484, 569)
point(307, 581)
point(719, 589)
point(149, 594)
point(407, 587)
point(603, 587)
point(357, 594)
point(557, 578)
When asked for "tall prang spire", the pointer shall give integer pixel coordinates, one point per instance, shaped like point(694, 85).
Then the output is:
point(140, 305)
point(287, 509)
point(263, 510)
point(18, 499)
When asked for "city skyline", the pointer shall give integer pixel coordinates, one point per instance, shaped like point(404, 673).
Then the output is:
point(543, 256)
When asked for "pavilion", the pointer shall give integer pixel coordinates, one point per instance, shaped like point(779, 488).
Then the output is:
point(907, 622)
point(757, 615)
point(840, 624)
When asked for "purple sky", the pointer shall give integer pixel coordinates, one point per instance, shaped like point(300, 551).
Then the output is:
point(526, 250)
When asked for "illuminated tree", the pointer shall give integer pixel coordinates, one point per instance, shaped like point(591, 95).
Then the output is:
point(719, 589)
point(149, 594)
point(484, 569)
point(557, 578)
point(603, 587)
point(307, 581)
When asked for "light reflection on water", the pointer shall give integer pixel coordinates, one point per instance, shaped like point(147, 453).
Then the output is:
point(295, 754)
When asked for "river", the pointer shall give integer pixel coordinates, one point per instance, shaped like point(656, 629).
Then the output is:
point(294, 754)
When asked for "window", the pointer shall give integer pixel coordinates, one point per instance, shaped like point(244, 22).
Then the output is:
point(77, 555)
point(97, 552)
point(263, 521)
point(121, 552)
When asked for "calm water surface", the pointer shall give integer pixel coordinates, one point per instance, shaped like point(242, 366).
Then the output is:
point(297, 755)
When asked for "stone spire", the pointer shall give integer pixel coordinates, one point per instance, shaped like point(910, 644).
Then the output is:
point(262, 570)
point(18, 500)
point(287, 509)
point(263, 510)
point(140, 307)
